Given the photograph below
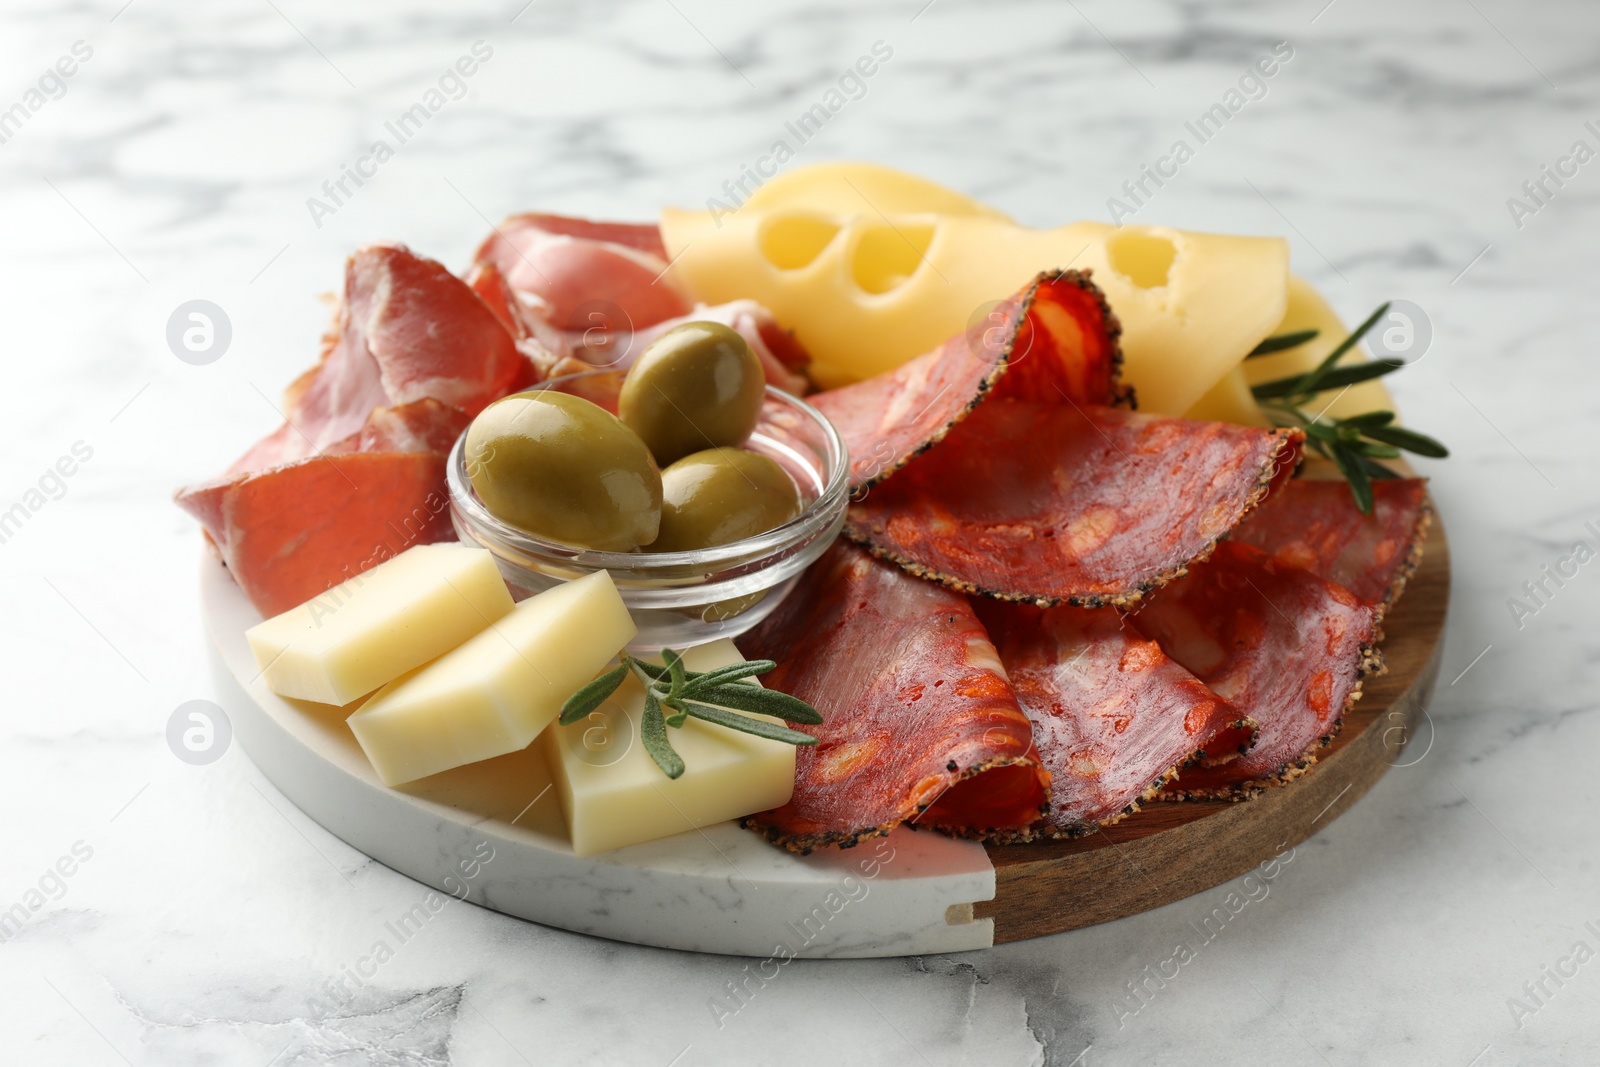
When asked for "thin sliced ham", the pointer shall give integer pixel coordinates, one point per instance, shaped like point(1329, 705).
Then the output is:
point(1113, 717)
point(525, 319)
point(425, 425)
point(1062, 503)
point(1283, 646)
point(406, 330)
point(920, 724)
point(579, 295)
point(1316, 525)
point(356, 473)
point(587, 273)
point(289, 533)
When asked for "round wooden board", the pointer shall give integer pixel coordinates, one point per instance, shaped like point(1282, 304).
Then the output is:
point(1169, 851)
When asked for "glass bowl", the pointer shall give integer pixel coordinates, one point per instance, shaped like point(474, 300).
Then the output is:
point(682, 599)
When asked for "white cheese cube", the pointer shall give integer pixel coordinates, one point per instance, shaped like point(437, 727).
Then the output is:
point(613, 794)
point(380, 624)
point(495, 693)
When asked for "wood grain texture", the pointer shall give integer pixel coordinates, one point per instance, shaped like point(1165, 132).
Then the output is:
point(1170, 851)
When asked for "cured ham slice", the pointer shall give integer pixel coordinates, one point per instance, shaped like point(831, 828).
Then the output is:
point(420, 426)
point(407, 330)
point(1283, 646)
point(579, 294)
point(1316, 525)
point(545, 347)
point(291, 532)
point(356, 473)
point(587, 273)
point(1083, 505)
point(1056, 337)
point(490, 285)
point(1113, 717)
point(920, 723)
point(639, 236)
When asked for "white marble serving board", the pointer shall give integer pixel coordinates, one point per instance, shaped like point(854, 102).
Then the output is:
point(493, 833)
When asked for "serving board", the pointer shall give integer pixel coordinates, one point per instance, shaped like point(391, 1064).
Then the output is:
point(726, 890)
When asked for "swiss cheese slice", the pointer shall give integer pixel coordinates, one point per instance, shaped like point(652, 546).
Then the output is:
point(613, 794)
point(368, 631)
point(867, 288)
point(861, 189)
point(493, 694)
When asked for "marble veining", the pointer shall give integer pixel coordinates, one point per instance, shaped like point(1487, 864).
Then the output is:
point(211, 915)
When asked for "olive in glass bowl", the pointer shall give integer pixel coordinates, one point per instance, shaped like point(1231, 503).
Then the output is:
point(697, 386)
point(562, 468)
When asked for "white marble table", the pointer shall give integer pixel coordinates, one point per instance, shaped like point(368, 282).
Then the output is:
point(205, 919)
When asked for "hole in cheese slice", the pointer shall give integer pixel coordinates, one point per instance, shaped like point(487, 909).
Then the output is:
point(885, 257)
point(1143, 258)
point(793, 242)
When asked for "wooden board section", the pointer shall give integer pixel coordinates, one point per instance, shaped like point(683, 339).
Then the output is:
point(1170, 851)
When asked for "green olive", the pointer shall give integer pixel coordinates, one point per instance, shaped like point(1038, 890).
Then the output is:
point(564, 469)
point(696, 386)
point(722, 495)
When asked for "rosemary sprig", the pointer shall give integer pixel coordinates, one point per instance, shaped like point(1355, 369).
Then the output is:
point(1282, 341)
point(673, 694)
point(1355, 444)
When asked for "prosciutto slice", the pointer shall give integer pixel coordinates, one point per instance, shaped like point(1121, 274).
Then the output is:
point(1060, 503)
point(1056, 338)
point(289, 533)
point(580, 295)
point(356, 473)
point(1283, 646)
point(920, 723)
point(1113, 717)
point(1317, 526)
point(587, 274)
point(425, 425)
point(406, 330)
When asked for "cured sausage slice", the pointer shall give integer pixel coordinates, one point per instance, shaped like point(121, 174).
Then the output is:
point(1113, 717)
point(1061, 503)
point(1316, 525)
point(1055, 340)
point(1280, 644)
point(920, 723)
